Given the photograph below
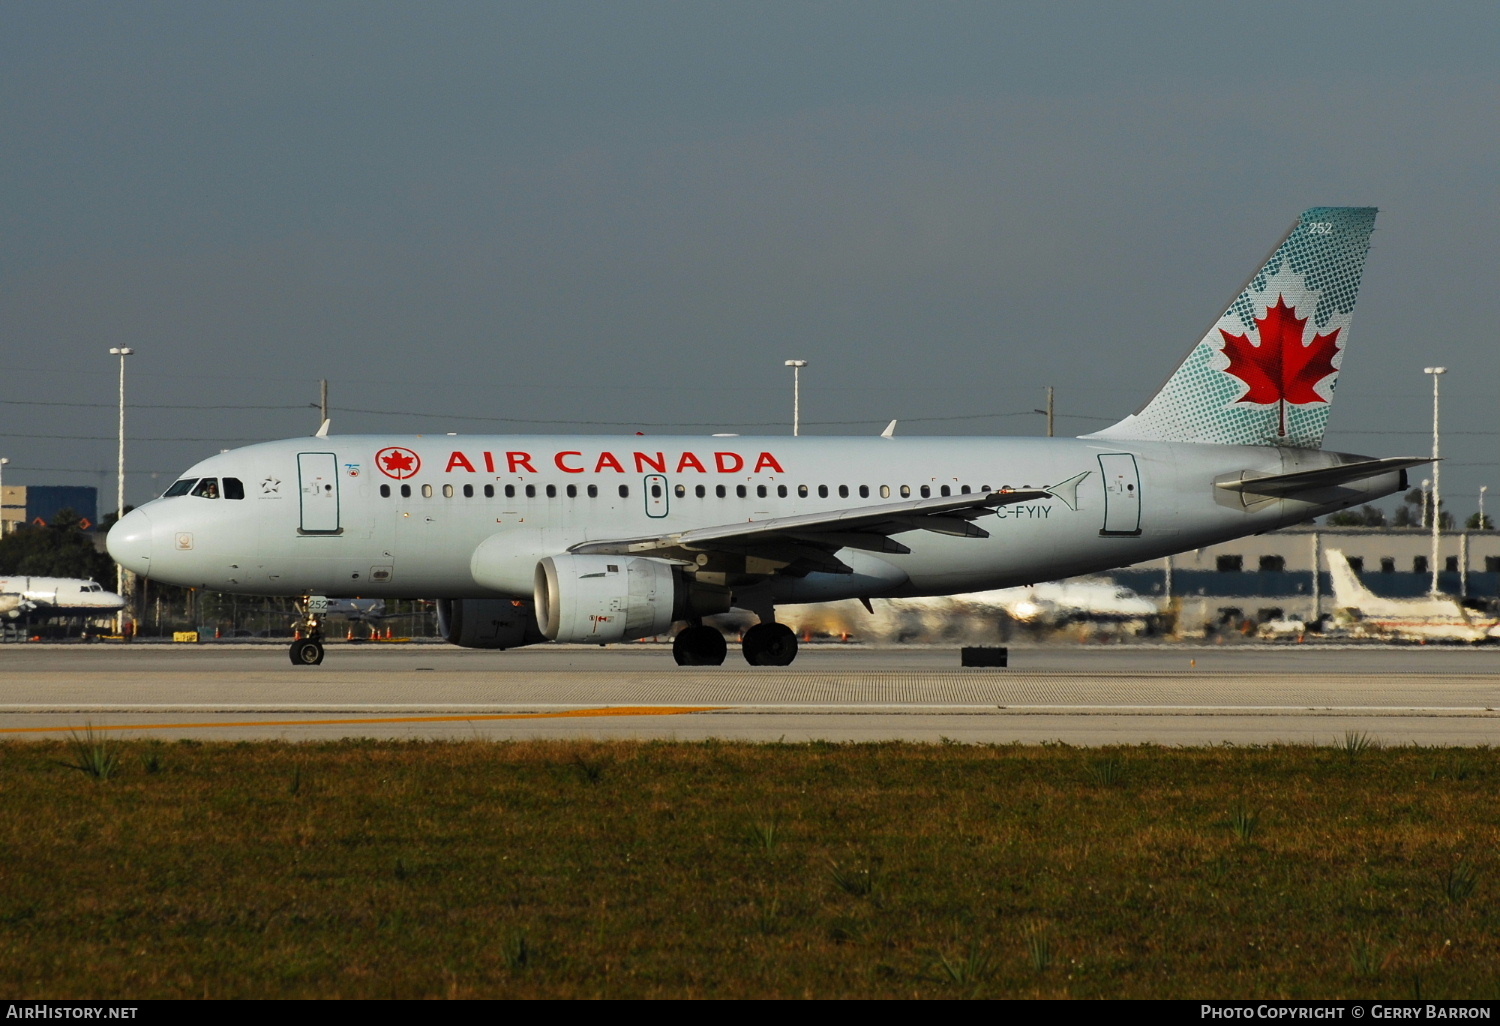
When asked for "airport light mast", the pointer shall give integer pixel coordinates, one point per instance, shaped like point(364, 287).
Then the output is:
point(6, 459)
point(121, 352)
point(796, 366)
point(1437, 473)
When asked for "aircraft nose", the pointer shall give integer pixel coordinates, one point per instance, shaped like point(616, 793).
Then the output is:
point(129, 542)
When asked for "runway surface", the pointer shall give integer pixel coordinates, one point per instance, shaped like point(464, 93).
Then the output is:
point(1170, 695)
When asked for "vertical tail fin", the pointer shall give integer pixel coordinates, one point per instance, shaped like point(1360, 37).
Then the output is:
point(1265, 372)
point(1349, 592)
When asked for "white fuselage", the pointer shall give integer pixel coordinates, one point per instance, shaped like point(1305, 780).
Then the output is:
point(323, 516)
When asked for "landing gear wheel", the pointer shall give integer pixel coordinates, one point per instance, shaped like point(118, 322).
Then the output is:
point(306, 653)
point(699, 646)
point(770, 644)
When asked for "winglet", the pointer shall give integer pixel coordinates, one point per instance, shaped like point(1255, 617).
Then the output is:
point(1067, 490)
point(890, 430)
point(322, 431)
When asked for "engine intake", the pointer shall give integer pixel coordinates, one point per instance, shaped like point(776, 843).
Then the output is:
point(487, 623)
point(600, 599)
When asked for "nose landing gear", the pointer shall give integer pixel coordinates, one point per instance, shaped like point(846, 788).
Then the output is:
point(307, 650)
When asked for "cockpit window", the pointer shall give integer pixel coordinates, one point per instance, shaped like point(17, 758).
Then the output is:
point(233, 489)
point(180, 488)
point(208, 488)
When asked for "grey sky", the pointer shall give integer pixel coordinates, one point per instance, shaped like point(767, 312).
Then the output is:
point(630, 214)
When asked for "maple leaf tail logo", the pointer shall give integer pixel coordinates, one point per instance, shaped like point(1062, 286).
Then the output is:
point(1280, 368)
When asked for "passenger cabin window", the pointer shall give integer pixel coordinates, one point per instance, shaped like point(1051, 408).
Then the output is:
point(468, 491)
point(741, 491)
point(510, 491)
point(843, 491)
point(234, 488)
point(624, 491)
point(593, 491)
point(885, 491)
point(1450, 564)
point(447, 491)
point(906, 491)
point(385, 491)
point(781, 491)
point(945, 491)
point(180, 488)
point(1419, 565)
point(1230, 564)
point(427, 491)
point(1357, 564)
point(721, 491)
point(680, 490)
point(760, 491)
point(864, 491)
point(700, 491)
point(925, 491)
point(802, 491)
point(1272, 564)
point(489, 491)
point(406, 491)
point(208, 488)
point(572, 491)
point(552, 491)
point(531, 491)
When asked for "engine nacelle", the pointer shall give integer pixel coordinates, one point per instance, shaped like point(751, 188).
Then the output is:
point(600, 599)
point(487, 623)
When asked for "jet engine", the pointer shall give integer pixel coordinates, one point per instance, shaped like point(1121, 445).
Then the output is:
point(600, 599)
point(487, 623)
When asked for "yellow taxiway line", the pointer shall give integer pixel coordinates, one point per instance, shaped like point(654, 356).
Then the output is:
point(570, 713)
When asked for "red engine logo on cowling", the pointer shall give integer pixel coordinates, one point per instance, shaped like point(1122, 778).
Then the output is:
point(398, 462)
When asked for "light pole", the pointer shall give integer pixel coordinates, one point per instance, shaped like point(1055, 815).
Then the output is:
point(796, 366)
point(1482, 490)
point(1437, 473)
point(121, 352)
point(3, 461)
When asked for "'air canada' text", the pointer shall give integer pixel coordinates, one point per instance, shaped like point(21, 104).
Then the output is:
point(576, 462)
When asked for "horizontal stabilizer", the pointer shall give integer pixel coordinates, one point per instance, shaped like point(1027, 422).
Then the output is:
point(1283, 485)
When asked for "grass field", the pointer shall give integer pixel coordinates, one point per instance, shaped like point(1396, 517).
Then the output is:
point(564, 869)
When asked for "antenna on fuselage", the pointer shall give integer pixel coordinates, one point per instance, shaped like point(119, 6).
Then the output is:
point(322, 431)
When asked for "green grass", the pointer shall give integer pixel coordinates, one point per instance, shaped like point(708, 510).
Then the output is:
point(567, 869)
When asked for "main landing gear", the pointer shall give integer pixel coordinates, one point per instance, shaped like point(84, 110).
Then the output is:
point(699, 645)
point(766, 644)
point(307, 650)
point(770, 644)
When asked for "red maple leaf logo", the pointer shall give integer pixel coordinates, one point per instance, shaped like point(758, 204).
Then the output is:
point(398, 463)
point(1281, 369)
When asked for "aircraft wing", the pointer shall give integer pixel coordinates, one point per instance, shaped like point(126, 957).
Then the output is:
point(802, 544)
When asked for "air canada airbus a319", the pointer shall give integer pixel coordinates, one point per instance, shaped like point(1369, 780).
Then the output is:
point(602, 539)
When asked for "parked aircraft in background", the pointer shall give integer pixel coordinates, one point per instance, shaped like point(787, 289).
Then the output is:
point(1082, 600)
point(976, 618)
point(25, 597)
point(599, 539)
point(1433, 618)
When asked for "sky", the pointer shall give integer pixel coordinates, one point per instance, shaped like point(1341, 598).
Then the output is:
point(625, 216)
